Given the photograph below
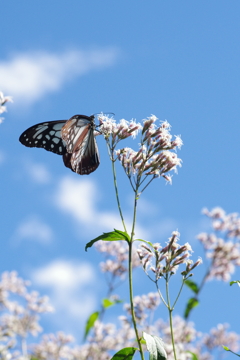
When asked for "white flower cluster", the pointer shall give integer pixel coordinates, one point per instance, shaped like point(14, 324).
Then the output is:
point(120, 131)
point(143, 305)
point(220, 246)
point(3, 101)
point(116, 260)
point(153, 157)
point(167, 260)
point(105, 339)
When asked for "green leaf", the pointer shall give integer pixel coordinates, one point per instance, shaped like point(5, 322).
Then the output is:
point(90, 322)
point(192, 303)
point(192, 285)
point(194, 356)
point(125, 354)
point(145, 241)
point(227, 349)
point(155, 347)
point(115, 235)
point(235, 282)
point(106, 303)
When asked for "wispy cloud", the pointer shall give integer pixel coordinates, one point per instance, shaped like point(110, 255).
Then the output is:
point(33, 229)
point(77, 198)
point(80, 199)
point(38, 172)
point(69, 284)
point(29, 76)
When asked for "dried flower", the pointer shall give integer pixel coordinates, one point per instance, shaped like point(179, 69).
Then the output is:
point(54, 347)
point(224, 253)
point(153, 158)
point(116, 260)
point(119, 131)
point(166, 260)
point(220, 336)
point(143, 305)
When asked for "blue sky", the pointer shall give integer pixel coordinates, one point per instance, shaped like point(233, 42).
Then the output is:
point(176, 60)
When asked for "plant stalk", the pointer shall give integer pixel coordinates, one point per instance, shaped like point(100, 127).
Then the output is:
point(130, 277)
point(170, 309)
point(116, 192)
point(178, 294)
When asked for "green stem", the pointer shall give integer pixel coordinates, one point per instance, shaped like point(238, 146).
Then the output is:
point(148, 183)
point(205, 276)
point(160, 294)
point(178, 294)
point(116, 192)
point(130, 278)
point(170, 310)
point(204, 280)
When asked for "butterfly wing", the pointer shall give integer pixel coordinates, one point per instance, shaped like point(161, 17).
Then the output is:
point(85, 158)
point(82, 152)
point(73, 138)
point(46, 135)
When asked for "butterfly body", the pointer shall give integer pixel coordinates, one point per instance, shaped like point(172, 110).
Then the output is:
point(73, 139)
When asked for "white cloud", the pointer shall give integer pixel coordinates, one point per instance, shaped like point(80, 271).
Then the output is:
point(38, 173)
point(80, 199)
point(109, 220)
point(29, 76)
point(163, 229)
point(146, 207)
point(35, 230)
point(77, 197)
point(70, 285)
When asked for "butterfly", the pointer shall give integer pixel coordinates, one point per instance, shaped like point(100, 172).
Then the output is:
point(74, 139)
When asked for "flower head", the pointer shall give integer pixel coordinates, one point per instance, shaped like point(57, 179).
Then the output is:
point(120, 131)
point(166, 260)
point(3, 101)
point(153, 157)
point(220, 246)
